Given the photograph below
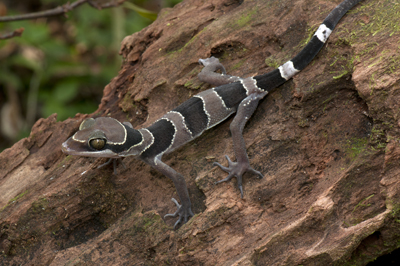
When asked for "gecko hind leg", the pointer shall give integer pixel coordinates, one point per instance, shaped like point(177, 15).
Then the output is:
point(242, 165)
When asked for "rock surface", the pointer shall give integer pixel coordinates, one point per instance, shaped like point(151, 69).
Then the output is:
point(327, 141)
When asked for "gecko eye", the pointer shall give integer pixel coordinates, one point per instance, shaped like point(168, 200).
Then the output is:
point(97, 144)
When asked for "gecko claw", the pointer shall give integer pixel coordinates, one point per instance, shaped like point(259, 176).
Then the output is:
point(241, 191)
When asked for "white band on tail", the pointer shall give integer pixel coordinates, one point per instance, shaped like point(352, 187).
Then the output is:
point(323, 33)
point(287, 70)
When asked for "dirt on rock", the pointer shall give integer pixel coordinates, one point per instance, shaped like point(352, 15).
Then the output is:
point(327, 142)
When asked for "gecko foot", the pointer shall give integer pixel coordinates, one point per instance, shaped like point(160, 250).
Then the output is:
point(183, 212)
point(236, 169)
point(212, 61)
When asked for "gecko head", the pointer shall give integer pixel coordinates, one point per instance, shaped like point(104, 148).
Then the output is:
point(100, 137)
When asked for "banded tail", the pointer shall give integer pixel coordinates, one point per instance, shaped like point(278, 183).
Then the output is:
point(277, 77)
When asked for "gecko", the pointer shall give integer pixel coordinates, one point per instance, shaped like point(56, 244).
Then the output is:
point(110, 138)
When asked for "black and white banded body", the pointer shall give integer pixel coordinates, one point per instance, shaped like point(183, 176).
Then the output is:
point(107, 137)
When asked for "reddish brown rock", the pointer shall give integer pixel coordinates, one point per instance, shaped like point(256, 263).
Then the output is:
point(328, 143)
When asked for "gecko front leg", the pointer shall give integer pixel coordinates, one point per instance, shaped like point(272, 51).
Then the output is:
point(184, 210)
point(114, 162)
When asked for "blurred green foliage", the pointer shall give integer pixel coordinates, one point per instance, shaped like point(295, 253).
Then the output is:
point(61, 64)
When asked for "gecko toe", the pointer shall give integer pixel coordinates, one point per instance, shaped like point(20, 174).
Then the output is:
point(229, 177)
point(229, 160)
point(228, 169)
point(223, 168)
point(178, 206)
point(177, 222)
point(255, 172)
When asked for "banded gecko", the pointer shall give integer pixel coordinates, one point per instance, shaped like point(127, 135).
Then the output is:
point(107, 137)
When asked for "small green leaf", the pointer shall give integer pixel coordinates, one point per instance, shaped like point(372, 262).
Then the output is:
point(141, 11)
